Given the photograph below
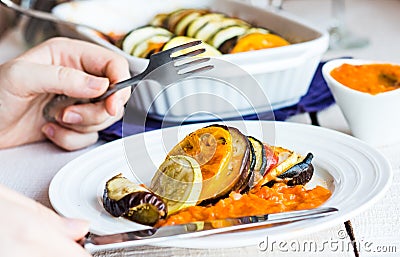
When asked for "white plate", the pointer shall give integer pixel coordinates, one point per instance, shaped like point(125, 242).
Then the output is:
point(356, 173)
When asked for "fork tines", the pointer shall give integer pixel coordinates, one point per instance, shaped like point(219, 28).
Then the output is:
point(189, 54)
point(182, 47)
point(194, 71)
point(183, 65)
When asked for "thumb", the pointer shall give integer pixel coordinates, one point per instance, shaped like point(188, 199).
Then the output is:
point(75, 228)
point(56, 79)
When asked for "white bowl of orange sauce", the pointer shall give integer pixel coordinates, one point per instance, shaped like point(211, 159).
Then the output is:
point(368, 94)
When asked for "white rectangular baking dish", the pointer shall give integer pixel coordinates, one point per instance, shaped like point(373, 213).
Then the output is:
point(283, 73)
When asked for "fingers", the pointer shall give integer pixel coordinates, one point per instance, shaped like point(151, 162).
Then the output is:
point(71, 228)
point(64, 66)
point(115, 103)
point(68, 139)
point(75, 228)
point(30, 229)
point(93, 128)
point(80, 55)
point(62, 247)
point(53, 79)
point(93, 114)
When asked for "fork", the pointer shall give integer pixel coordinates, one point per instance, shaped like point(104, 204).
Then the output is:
point(165, 67)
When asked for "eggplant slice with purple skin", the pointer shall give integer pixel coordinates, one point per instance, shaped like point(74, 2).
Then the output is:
point(123, 198)
point(241, 159)
point(299, 174)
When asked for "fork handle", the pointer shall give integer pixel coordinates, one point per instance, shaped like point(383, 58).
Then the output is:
point(59, 102)
point(118, 86)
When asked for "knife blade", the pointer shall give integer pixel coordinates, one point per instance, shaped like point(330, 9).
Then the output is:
point(197, 229)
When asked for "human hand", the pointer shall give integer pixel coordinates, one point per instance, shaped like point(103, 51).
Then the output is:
point(30, 229)
point(60, 66)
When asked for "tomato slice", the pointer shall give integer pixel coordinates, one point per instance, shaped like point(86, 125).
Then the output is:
point(272, 158)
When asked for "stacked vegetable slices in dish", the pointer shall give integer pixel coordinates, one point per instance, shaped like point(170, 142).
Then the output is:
point(220, 34)
point(210, 167)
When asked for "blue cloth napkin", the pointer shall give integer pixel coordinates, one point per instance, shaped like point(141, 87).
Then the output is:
point(316, 99)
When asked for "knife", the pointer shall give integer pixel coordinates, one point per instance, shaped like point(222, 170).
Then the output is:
point(197, 229)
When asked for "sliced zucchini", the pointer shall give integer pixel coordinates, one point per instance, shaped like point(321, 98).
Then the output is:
point(196, 24)
point(137, 36)
point(183, 24)
point(150, 46)
point(226, 34)
point(257, 30)
point(176, 41)
point(260, 156)
point(207, 32)
point(253, 156)
point(178, 181)
point(175, 17)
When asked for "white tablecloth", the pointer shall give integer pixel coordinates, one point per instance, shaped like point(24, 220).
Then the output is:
point(29, 169)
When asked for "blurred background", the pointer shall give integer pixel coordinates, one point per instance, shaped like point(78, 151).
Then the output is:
point(376, 22)
point(369, 27)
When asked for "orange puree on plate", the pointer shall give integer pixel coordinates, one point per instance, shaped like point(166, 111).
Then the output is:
point(368, 78)
point(279, 198)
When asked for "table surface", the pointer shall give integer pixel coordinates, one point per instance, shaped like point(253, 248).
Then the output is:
point(24, 169)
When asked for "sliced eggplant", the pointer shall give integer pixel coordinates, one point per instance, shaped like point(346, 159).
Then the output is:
point(123, 198)
point(227, 34)
point(228, 45)
point(137, 36)
point(299, 174)
point(240, 162)
point(286, 159)
point(249, 182)
point(260, 155)
point(201, 21)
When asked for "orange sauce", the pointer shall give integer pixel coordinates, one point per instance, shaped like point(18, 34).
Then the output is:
point(368, 78)
point(264, 200)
